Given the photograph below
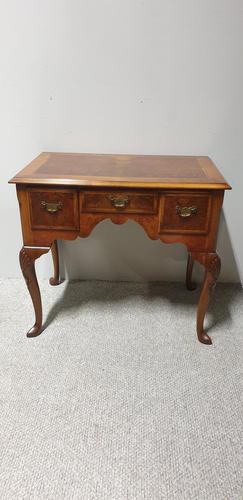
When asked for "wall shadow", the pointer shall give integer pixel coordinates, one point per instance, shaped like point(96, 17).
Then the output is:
point(229, 268)
point(122, 253)
point(125, 253)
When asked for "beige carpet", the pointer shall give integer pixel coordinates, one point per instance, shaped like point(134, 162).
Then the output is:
point(117, 400)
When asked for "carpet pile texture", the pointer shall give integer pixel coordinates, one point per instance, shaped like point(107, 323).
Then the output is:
point(116, 399)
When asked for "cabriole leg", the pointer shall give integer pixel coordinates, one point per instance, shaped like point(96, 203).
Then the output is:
point(55, 279)
point(189, 284)
point(212, 264)
point(27, 257)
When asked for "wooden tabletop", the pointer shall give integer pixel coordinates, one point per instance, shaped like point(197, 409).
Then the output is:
point(74, 169)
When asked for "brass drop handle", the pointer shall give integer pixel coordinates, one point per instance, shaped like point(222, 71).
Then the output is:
point(119, 201)
point(186, 211)
point(52, 208)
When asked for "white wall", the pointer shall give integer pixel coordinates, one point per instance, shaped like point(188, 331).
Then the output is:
point(128, 76)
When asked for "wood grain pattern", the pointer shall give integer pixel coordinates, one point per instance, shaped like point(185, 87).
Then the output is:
point(150, 223)
point(189, 270)
point(174, 199)
point(65, 218)
point(183, 172)
point(197, 223)
point(55, 279)
point(212, 264)
point(102, 201)
point(27, 257)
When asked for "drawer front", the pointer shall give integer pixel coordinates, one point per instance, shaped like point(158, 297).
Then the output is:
point(53, 209)
point(185, 213)
point(119, 201)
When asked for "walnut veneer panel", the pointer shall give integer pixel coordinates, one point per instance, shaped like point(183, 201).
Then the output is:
point(119, 201)
point(65, 217)
point(122, 170)
point(197, 222)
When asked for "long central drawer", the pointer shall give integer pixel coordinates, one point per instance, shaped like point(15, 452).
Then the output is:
point(144, 202)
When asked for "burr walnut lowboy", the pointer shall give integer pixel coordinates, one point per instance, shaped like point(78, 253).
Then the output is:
point(174, 198)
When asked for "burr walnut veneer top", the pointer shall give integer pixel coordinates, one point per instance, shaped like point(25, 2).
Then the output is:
point(74, 169)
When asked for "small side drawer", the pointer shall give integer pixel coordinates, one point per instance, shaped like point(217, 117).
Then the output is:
point(185, 212)
point(53, 209)
point(119, 201)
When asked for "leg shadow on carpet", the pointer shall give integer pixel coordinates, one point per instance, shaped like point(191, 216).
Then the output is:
point(78, 293)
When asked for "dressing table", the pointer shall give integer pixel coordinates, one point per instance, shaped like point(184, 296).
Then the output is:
point(176, 199)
